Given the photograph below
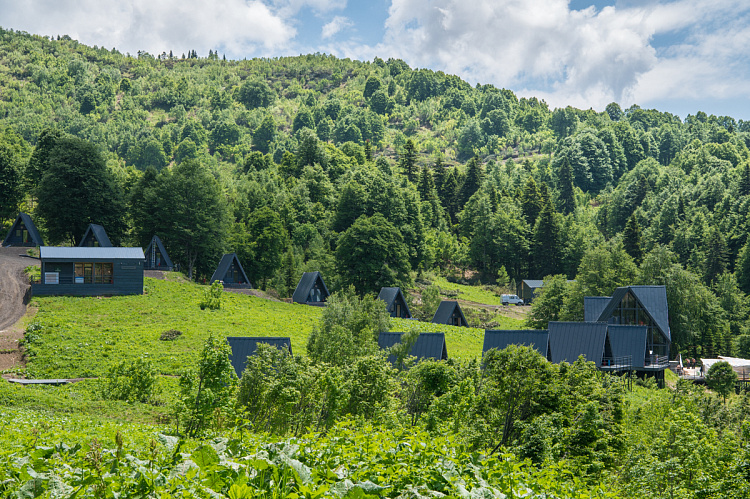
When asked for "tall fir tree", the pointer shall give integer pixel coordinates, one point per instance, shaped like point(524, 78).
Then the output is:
point(531, 201)
point(745, 179)
point(438, 175)
point(632, 239)
point(474, 179)
point(742, 268)
point(449, 194)
point(426, 186)
point(368, 151)
point(409, 160)
point(715, 262)
point(546, 246)
point(566, 193)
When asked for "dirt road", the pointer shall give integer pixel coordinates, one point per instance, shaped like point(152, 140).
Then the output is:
point(14, 295)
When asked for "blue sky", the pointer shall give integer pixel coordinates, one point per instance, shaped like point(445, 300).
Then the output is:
point(679, 56)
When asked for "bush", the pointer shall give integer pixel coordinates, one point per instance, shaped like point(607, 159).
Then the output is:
point(170, 335)
point(212, 297)
point(133, 381)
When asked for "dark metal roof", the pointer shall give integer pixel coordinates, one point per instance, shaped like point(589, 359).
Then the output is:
point(628, 341)
point(98, 233)
point(445, 311)
point(652, 298)
point(568, 340)
point(245, 346)
point(29, 224)
point(90, 253)
point(224, 264)
point(157, 241)
point(427, 346)
point(593, 307)
point(536, 338)
point(389, 295)
point(534, 283)
point(306, 283)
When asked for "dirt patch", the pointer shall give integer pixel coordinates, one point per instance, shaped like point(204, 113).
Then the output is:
point(15, 293)
point(155, 274)
point(252, 292)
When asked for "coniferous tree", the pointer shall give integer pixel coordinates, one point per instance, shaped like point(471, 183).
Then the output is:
point(745, 180)
point(742, 268)
point(632, 239)
point(546, 244)
point(409, 160)
point(449, 193)
point(531, 201)
point(716, 256)
point(368, 150)
point(439, 175)
point(566, 195)
point(426, 186)
point(474, 179)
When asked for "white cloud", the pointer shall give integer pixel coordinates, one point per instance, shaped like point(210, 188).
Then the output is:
point(238, 27)
point(585, 58)
point(337, 24)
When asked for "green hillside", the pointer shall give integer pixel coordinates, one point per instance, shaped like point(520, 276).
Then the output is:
point(81, 337)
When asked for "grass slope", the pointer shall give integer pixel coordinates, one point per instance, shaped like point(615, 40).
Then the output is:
point(85, 336)
point(469, 293)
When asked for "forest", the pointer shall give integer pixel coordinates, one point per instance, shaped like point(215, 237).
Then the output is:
point(376, 174)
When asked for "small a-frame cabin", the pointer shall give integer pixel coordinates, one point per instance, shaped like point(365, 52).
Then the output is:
point(95, 237)
point(395, 302)
point(243, 347)
point(23, 233)
point(311, 290)
point(449, 312)
point(156, 256)
point(231, 273)
point(538, 339)
point(427, 346)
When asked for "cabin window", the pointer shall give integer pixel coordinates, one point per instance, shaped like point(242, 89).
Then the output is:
point(456, 321)
point(93, 273)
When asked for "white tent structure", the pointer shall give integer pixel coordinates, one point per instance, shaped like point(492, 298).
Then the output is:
point(740, 366)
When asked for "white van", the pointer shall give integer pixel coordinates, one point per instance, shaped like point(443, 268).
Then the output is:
point(511, 300)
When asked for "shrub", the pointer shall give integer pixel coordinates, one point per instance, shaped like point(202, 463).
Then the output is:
point(170, 335)
point(134, 381)
point(212, 296)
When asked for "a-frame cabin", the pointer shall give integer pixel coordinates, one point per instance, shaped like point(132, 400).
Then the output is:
point(538, 339)
point(231, 273)
point(245, 346)
point(95, 236)
point(395, 302)
point(311, 290)
point(428, 345)
point(449, 312)
point(23, 233)
point(156, 256)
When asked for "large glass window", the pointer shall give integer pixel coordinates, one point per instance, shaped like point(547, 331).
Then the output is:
point(93, 273)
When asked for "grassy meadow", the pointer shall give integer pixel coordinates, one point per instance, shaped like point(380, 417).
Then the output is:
point(86, 336)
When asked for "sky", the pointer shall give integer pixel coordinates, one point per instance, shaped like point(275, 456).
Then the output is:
point(679, 56)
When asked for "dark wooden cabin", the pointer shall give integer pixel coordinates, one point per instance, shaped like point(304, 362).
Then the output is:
point(231, 273)
point(538, 339)
point(156, 256)
point(23, 233)
point(449, 312)
point(311, 290)
point(395, 302)
point(94, 237)
point(427, 346)
point(245, 346)
point(83, 271)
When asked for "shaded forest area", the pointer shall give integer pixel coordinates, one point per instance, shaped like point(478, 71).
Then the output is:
point(378, 174)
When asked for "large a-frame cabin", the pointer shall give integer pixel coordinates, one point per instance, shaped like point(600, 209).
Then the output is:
point(23, 233)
